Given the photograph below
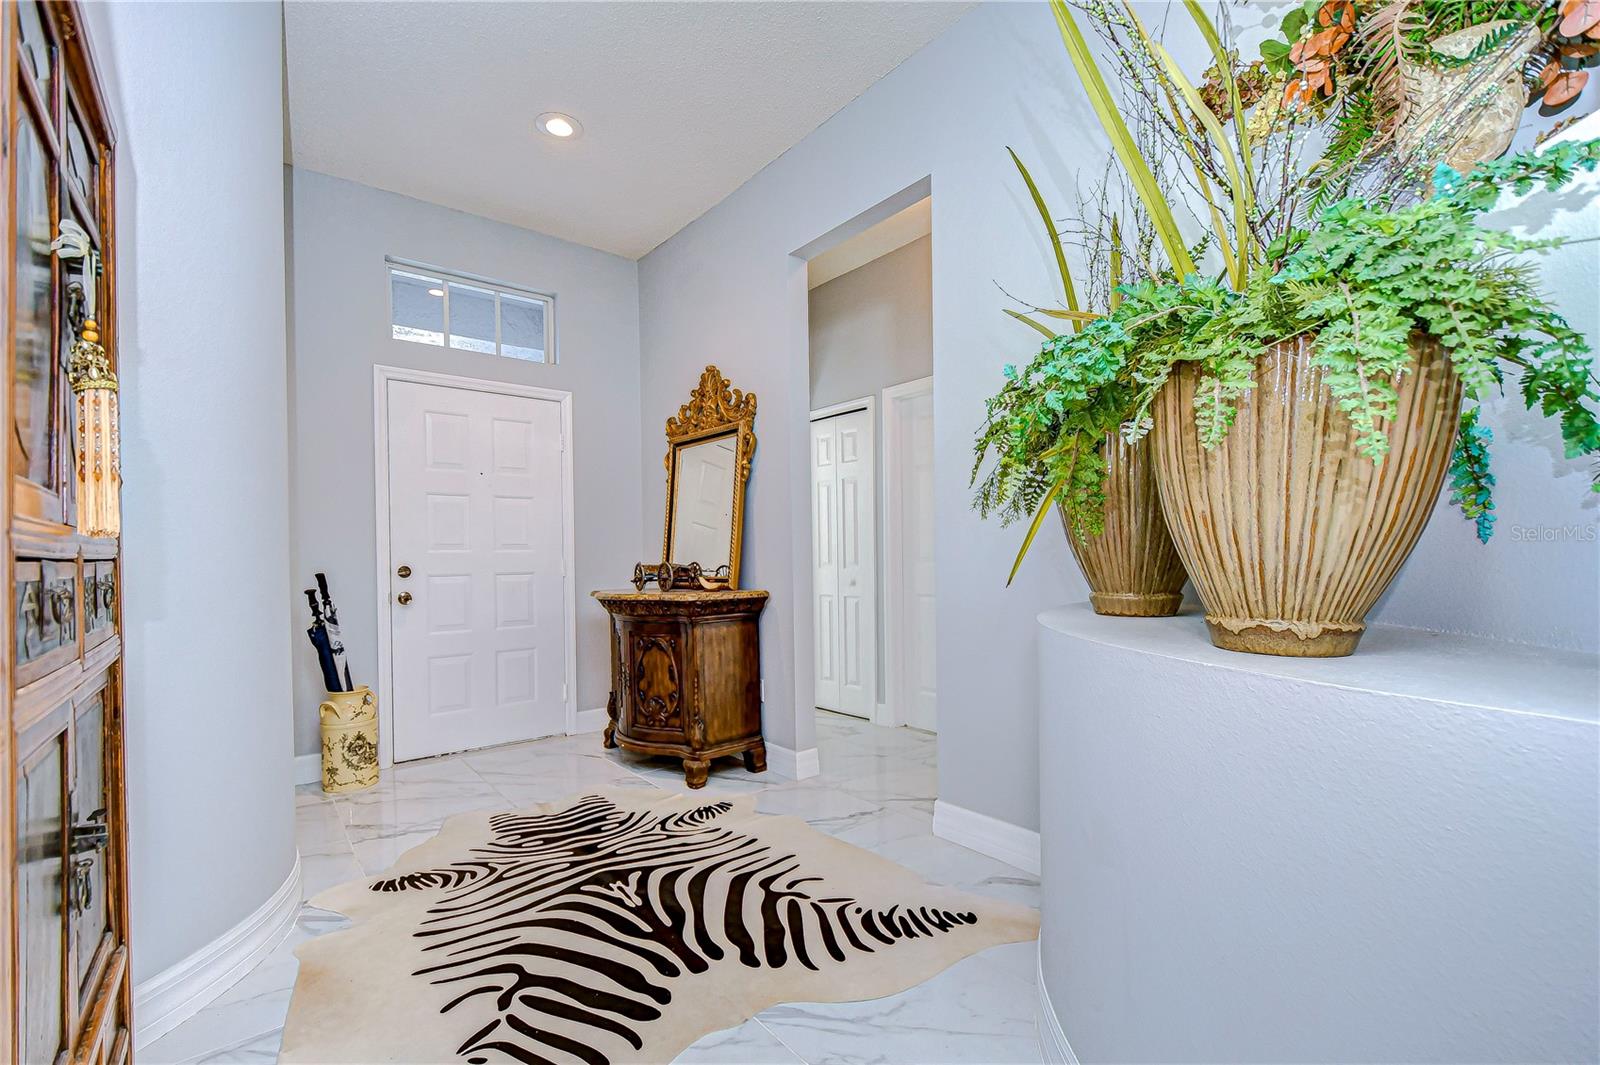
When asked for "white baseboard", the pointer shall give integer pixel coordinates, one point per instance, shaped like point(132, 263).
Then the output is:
point(178, 992)
point(1010, 843)
point(1053, 1045)
point(590, 721)
point(308, 768)
point(796, 765)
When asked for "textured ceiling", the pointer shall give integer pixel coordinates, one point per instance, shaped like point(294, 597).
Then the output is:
point(680, 103)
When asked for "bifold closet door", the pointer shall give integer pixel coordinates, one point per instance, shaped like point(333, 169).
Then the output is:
point(844, 578)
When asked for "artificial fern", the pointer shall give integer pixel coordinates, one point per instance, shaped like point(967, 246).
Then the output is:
point(1365, 283)
point(1471, 483)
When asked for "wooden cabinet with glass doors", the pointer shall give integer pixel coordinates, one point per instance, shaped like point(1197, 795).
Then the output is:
point(64, 963)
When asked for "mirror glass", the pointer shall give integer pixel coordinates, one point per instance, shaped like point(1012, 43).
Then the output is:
point(702, 510)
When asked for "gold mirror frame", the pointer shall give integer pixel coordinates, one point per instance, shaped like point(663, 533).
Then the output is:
point(715, 408)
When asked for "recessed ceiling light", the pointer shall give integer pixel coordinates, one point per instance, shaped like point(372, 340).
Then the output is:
point(436, 292)
point(556, 124)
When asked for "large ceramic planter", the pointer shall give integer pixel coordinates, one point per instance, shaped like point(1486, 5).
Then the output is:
point(1132, 566)
point(1288, 533)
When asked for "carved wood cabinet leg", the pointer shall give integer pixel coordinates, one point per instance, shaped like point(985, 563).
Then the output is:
point(695, 771)
point(755, 759)
point(609, 740)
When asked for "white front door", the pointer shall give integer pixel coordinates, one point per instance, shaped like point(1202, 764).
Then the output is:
point(844, 548)
point(476, 591)
point(909, 582)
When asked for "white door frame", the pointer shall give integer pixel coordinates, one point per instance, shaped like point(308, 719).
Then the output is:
point(381, 376)
point(869, 404)
point(893, 710)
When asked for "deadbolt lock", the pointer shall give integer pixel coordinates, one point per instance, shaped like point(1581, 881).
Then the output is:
point(403, 572)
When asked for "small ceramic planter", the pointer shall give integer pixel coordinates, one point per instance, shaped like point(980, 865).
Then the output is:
point(1132, 567)
point(1289, 534)
point(349, 740)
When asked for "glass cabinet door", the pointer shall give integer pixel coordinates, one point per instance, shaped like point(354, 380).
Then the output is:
point(90, 909)
point(41, 898)
point(32, 394)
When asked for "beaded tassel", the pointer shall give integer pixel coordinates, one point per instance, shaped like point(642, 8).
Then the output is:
point(99, 466)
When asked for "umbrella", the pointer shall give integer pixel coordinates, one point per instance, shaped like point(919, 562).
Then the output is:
point(318, 632)
point(335, 640)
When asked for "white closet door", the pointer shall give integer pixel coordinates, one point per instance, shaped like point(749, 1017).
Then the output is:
point(824, 562)
point(844, 513)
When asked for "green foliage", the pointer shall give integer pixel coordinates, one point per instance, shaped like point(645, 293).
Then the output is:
point(1471, 483)
point(1367, 282)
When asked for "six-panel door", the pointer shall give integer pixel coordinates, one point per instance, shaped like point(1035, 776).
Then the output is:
point(844, 556)
point(475, 515)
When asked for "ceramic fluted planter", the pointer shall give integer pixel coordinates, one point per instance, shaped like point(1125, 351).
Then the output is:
point(1289, 534)
point(1132, 566)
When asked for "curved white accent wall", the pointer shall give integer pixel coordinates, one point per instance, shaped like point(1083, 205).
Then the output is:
point(205, 448)
point(1390, 856)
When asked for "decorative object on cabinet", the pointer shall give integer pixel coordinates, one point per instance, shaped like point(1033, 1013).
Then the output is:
point(780, 912)
point(710, 444)
point(669, 575)
point(686, 676)
point(349, 740)
point(64, 954)
point(1385, 347)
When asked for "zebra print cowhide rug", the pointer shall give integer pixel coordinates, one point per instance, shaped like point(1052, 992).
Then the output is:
point(616, 928)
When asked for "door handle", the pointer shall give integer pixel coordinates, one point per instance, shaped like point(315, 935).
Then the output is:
point(403, 572)
point(403, 598)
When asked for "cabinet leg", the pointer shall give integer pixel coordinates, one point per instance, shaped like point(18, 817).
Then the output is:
point(755, 759)
point(609, 739)
point(695, 771)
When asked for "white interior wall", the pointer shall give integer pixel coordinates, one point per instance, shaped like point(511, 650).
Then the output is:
point(204, 447)
point(341, 233)
point(869, 329)
point(727, 289)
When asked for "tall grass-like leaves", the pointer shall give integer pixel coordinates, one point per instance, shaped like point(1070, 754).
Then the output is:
point(1049, 334)
point(1115, 298)
point(1225, 72)
point(1133, 161)
point(1069, 290)
point(1219, 226)
point(1242, 194)
point(1034, 526)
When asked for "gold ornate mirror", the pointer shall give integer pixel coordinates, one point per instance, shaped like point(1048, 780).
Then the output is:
point(709, 446)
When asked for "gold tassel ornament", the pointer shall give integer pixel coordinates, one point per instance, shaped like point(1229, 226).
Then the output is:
point(99, 465)
point(93, 382)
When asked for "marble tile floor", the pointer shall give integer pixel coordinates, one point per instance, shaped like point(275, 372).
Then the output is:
point(876, 790)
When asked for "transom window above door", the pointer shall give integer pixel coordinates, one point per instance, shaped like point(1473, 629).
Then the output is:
point(428, 306)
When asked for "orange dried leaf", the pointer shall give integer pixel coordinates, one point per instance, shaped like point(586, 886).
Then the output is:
point(1579, 17)
point(1568, 84)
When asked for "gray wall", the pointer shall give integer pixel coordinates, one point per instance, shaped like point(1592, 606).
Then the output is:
point(205, 449)
point(872, 328)
point(341, 234)
point(1386, 857)
point(728, 289)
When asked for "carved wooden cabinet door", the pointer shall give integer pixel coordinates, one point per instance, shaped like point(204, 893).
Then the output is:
point(653, 689)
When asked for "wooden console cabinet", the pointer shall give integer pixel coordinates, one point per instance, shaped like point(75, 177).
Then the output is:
point(686, 676)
